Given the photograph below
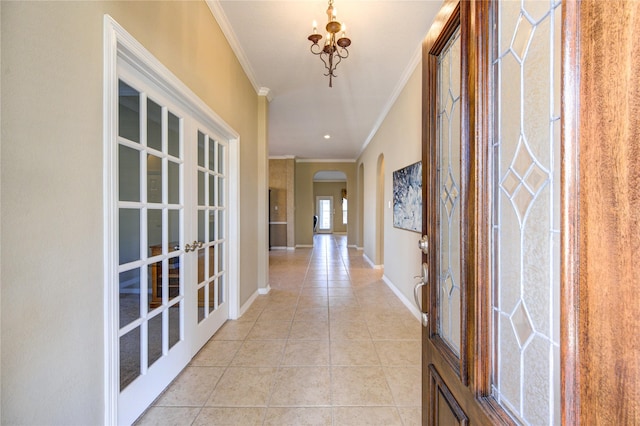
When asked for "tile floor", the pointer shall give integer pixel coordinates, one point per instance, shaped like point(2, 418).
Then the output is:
point(329, 345)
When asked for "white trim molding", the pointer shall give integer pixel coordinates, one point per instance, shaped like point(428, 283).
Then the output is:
point(221, 18)
point(282, 157)
point(324, 160)
point(414, 310)
point(373, 265)
point(411, 67)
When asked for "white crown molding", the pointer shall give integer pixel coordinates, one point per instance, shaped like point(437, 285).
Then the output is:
point(411, 67)
point(265, 91)
point(282, 157)
point(221, 18)
point(324, 160)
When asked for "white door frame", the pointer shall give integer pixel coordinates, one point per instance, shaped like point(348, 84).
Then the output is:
point(118, 46)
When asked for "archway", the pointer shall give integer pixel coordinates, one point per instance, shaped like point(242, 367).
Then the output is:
point(330, 200)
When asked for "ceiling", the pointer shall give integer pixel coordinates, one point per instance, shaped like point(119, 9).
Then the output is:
point(270, 39)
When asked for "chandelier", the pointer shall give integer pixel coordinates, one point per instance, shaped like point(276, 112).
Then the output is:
point(333, 50)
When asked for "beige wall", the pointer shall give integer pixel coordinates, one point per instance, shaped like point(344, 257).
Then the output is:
point(305, 201)
point(333, 189)
point(52, 208)
point(398, 140)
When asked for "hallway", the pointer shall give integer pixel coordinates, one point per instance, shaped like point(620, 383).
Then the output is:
point(331, 344)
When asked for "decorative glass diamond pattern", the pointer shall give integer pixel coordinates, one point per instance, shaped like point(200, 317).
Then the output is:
point(449, 103)
point(521, 38)
point(449, 193)
point(521, 324)
point(448, 284)
point(524, 180)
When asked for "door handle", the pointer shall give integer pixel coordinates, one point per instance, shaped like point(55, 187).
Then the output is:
point(193, 246)
point(417, 293)
point(423, 244)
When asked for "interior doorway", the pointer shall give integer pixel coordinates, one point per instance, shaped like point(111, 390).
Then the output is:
point(324, 213)
point(330, 195)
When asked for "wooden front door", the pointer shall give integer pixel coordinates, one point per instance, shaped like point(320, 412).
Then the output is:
point(491, 161)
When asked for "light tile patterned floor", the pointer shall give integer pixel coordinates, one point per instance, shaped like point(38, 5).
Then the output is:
point(329, 345)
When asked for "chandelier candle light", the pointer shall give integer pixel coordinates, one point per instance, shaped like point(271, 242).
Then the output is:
point(334, 50)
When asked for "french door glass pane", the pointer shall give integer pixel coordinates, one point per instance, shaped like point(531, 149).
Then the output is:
point(128, 174)
point(173, 182)
point(221, 292)
point(212, 225)
point(129, 296)
point(128, 112)
point(154, 125)
point(221, 252)
point(221, 198)
point(154, 285)
point(129, 235)
point(129, 357)
point(174, 324)
point(211, 299)
point(174, 230)
point(201, 299)
point(174, 277)
point(200, 188)
point(173, 136)
point(212, 190)
point(221, 159)
point(154, 231)
point(212, 156)
point(221, 224)
point(449, 271)
point(154, 334)
point(201, 141)
point(154, 179)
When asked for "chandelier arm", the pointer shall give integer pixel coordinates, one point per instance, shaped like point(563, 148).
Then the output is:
point(326, 65)
point(340, 53)
point(335, 65)
point(318, 50)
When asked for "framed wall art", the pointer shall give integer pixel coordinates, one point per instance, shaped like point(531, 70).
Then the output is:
point(407, 197)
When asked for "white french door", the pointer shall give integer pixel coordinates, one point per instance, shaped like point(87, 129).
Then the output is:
point(324, 210)
point(171, 180)
point(152, 206)
point(210, 226)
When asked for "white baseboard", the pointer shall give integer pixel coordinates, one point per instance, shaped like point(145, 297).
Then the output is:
point(278, 247)
point(409, 304)
point(304, 245)
point(374, 266)
point(247, 304)
point(264, 290)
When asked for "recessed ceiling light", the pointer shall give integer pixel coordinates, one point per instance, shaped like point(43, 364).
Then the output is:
point(327, 136)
